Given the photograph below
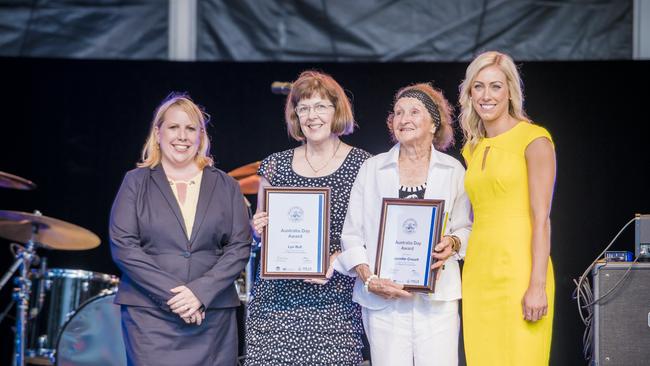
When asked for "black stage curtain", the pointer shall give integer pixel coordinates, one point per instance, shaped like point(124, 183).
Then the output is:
point(413, 30)
point(323, 30)
point(86, 29)
point(75, 127)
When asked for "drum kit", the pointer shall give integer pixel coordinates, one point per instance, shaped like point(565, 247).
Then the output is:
point(67, 316)
point(249, 183)
point(64, 316)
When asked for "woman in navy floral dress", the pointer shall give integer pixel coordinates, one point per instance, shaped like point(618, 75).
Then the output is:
point(310, 322)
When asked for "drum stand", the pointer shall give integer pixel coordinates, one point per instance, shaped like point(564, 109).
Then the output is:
point(250, 274)
point(24, 258)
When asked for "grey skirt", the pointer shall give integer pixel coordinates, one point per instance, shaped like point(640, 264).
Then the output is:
point(155, 337)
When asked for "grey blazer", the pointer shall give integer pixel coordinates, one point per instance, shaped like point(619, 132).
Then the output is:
point(149, 242)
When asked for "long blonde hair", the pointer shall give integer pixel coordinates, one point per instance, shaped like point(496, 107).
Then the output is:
point(471, 123)
point(151, 155)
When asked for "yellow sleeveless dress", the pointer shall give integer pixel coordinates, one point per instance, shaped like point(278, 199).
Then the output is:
point(498, 261)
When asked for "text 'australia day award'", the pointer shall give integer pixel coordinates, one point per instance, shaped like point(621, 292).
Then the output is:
point(296, 239)
point(408, 232)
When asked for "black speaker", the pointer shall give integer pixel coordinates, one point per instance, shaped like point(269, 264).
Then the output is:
point(622, 317)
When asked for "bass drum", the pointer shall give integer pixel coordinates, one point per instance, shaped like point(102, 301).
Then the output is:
point(93, 335)
point(56, 296)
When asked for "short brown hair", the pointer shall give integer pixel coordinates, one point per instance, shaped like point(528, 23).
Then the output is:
point(311, 83)
point(443, 138)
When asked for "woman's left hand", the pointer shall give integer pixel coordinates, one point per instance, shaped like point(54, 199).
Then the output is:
point(328, 274)
point(441, 252)
point(184, 303)
point(259, 222)
point(534, 304)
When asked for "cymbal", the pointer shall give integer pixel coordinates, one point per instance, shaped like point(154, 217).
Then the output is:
point(250, 184)
point(245, 170)
point(52, 233)
point(13, 181)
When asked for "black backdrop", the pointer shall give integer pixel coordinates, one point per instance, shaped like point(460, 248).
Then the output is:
point(75, 127)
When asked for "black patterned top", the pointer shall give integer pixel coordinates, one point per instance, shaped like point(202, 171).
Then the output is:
point(292, 322)
point(416, 192)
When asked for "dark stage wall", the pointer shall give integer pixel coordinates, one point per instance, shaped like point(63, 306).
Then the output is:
point(75, 127)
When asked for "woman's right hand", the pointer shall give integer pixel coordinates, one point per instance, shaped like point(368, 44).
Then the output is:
point(260, 220)
point(197, 318)
point(387, 289)
point(381, 286)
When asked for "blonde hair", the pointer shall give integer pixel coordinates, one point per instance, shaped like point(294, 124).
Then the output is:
point(311, 83)
point(471, 123)
point(443, 137)
point(151, 155)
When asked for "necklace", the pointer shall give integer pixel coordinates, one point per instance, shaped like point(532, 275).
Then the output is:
point(326, 163)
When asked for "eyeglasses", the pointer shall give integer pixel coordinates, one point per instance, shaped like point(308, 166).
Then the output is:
point(303, 110)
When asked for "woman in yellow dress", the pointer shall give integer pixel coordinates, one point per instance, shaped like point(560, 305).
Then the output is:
point(508, 284)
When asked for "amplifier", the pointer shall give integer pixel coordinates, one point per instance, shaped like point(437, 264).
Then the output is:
point(622, 319)
point(642, 237)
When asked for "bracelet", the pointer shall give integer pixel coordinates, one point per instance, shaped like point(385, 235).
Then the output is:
point(455, 245)
point(367, 283)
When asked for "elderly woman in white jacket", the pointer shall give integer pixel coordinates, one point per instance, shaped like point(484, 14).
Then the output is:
point(406, 328)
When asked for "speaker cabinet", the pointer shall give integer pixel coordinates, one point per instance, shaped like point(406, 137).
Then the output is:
point(622, 318)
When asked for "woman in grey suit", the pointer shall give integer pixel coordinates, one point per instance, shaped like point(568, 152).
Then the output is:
point(179, 233)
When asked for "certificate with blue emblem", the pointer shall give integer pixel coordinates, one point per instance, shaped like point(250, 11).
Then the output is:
point(296, 238)
point(408, 232)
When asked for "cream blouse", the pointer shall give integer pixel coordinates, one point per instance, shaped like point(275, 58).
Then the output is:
point(187, 196)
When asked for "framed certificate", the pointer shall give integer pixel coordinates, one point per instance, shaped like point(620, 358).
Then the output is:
point(296, 239)
point(408, 231)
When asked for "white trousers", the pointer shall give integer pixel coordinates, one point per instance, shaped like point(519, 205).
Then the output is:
point(415, 332)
